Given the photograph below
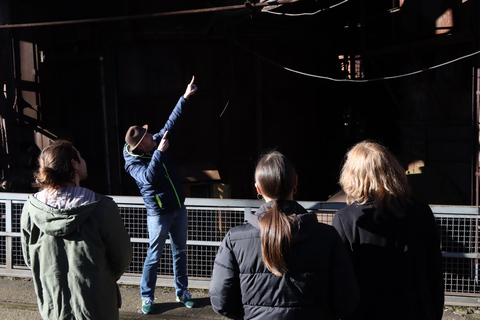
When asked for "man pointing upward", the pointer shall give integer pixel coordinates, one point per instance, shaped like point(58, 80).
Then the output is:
point(148, 161)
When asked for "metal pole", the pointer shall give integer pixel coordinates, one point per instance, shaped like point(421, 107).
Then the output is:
point(105, 125)
point(476, 109)
point(247, 5)
point(258, 103)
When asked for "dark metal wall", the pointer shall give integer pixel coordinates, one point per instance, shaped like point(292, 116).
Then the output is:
point(97, 79)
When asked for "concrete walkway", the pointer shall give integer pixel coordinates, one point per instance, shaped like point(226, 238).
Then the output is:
point(19, 302)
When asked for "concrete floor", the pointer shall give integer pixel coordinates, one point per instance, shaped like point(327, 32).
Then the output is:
point(18, 302)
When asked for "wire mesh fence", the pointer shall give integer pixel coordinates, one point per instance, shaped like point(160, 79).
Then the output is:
point(210, 219)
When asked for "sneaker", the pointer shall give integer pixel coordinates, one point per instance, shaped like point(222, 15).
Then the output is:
point(147, 306)
point(186, 299)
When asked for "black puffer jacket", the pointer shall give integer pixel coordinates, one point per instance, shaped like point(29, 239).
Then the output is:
point(319, 283)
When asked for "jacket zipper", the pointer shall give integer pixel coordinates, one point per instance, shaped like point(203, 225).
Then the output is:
point(173, 187)
point(166, 175)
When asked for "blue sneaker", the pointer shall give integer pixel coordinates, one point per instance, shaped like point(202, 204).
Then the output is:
point(147, 306)
point(186, 299)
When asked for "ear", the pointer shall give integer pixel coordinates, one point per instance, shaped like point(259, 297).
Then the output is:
point(258, 188)
point(74, 164)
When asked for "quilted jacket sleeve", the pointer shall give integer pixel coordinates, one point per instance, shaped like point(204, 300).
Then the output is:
point(173, 122)
point(225, 294)
point(147, 172)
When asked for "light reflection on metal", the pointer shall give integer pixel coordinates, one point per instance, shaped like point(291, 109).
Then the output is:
point(247, 5)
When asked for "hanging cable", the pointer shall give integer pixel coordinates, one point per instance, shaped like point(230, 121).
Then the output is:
point(356, 80)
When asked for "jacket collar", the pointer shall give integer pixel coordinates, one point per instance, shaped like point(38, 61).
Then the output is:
point(306, 220)
point(142, 155)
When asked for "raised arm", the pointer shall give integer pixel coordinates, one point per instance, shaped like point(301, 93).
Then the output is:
point(176, 115)
point(191, 89)
point(147, 173)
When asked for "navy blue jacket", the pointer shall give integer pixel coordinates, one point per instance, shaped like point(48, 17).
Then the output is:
point(155, 172)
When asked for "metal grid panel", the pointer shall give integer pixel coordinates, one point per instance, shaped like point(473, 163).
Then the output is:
point(326, 218)
point(458, 234)
point(3, 217)
point(17, 255)
point(3, 242)
point(16, 216)
point(461, 275)
point(139, 254)
point(166, 264)
point(135, 220)
point(3, 251)
point(208, 226)
point(212, 224)
point(200, 261)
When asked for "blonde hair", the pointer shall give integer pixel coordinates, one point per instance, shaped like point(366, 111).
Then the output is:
point(276, 177)
point(372, 174)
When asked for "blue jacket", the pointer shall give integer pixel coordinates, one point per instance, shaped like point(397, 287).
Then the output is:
point(155, 172)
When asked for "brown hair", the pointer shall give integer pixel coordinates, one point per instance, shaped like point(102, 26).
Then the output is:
point(372, 174)
point(55, 165)
point(276, 178)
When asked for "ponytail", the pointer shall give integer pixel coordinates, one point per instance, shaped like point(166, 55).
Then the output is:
point(276, 177)
point(276, 229)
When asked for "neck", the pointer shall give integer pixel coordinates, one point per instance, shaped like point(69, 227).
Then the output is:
point(268, 199)
point(75, 182)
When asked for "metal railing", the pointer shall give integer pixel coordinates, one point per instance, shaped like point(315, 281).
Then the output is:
point(209, 221)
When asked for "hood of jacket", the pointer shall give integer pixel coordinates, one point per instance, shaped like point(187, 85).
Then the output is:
point(59, 222)
point(307, 221)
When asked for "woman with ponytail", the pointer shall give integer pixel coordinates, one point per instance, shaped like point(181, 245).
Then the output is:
point(282, 263)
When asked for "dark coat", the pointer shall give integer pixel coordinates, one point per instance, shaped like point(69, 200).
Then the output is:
point(319, 283)
point(398, 262)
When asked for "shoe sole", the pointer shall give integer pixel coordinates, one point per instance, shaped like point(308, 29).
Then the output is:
point(189, 307)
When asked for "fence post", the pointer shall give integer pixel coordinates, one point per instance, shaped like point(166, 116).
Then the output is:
point(8, 239)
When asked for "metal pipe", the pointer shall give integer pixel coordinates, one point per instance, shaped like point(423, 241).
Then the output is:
point(247, 5)
point(118, 143)
point(105, 125)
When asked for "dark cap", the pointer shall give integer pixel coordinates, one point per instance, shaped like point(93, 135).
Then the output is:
point(135, 135)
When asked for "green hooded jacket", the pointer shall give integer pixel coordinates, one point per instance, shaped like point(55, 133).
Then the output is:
point(76, 256)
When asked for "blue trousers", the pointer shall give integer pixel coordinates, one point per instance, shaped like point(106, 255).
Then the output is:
point(175, 225)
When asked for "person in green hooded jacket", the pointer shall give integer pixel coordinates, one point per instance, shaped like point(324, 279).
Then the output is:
point(73, 240)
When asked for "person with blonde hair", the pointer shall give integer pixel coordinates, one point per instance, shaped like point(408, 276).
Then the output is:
point(393, 239)
point(74, 240)
point(282, 263)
